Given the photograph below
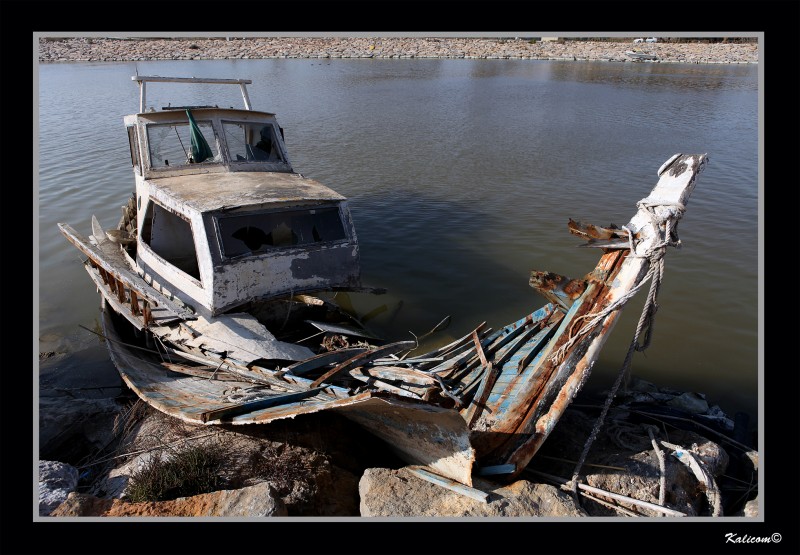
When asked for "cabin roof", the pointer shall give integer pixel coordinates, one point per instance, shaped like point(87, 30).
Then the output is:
point(179, 114)
point(214, 191)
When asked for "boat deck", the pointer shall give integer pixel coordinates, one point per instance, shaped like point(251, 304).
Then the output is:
point(109, 269)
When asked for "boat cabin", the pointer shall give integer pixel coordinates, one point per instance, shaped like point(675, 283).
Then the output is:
point(221, 217)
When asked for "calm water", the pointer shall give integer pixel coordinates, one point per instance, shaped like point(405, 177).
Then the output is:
point(462, 176)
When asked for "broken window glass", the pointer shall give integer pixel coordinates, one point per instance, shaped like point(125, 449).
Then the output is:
point(252, 142)
point(170, 237)
point(243, 234)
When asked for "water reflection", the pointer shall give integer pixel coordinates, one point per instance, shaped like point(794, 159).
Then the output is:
point(661, 77)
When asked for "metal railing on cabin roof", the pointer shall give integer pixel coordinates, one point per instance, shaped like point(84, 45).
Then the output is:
point(142, 80)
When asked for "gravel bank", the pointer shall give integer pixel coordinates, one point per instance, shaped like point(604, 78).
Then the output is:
point(126, 49)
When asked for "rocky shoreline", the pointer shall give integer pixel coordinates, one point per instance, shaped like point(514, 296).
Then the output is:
point(87, 49)
point(659, 453)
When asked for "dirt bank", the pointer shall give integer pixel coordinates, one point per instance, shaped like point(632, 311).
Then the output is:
point(137, 49)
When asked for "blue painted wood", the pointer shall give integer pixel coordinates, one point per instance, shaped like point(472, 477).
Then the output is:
point(504, 403)
point(504, 394)
point(305, 366)
point(364, 358)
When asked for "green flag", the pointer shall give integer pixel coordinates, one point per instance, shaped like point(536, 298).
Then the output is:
point(200, 148)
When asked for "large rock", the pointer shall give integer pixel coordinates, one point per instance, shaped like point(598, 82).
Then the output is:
point(56, 481)
point(259, 500)
point(399, 493)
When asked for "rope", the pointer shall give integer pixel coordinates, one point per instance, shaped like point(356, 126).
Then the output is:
point(626, 435)
point(655, 274)
point(655, 254)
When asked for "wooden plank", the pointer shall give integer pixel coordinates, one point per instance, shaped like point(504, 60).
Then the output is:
point(405, 361)
point(479, 349)
point(612, 495)
point(479, 400)
point(381, 384)
point(476, 366)
point(531, 354)
point(559, 290)
point(508, 351)
point(110, 260)
point(494, 343)
point(341, 329)
point(318, 361)
point(206, 372)
point(365, 358)
point(458, 357)
point(465, 357)
point(263, 376)
point(121, 296)
point(242, 408)
point(446, 349)
point(399, 374)
point(135, 303)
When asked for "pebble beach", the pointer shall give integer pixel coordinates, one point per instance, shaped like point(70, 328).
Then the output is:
point(118, 49)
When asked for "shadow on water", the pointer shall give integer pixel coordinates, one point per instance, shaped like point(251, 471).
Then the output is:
point(428, 251)
point(86, 373)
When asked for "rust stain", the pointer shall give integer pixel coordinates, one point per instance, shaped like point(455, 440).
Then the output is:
point(556, 288)
point(521, 423)
point(544, 281)
point(574, 288)
point(590, 231)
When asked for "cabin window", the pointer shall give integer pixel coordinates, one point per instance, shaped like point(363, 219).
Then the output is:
point(170, 237)
point(134, 144)
point(244, 234)
point(170, 144)
point(252, 142)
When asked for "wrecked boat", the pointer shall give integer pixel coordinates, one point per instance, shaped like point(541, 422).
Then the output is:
point(219, 296)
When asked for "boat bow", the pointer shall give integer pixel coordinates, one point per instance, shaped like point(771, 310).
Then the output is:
point(523, 414)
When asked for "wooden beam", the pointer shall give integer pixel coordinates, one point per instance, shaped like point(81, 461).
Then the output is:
point(243, 408)
point(318, 361)
point(365, 358)
point(134, 303)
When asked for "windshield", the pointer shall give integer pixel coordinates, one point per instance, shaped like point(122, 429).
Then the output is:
point(252, 142)
point(171, 144)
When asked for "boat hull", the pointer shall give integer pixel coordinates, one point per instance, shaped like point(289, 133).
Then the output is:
point(418, 432)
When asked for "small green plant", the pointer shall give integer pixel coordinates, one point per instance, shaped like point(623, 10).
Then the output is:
point(192, 471)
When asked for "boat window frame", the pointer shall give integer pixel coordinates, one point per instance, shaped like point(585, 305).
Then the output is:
point(133, 143)
point(146, 239)
point(282, 164)
point(219, 159)
point(280, 250)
